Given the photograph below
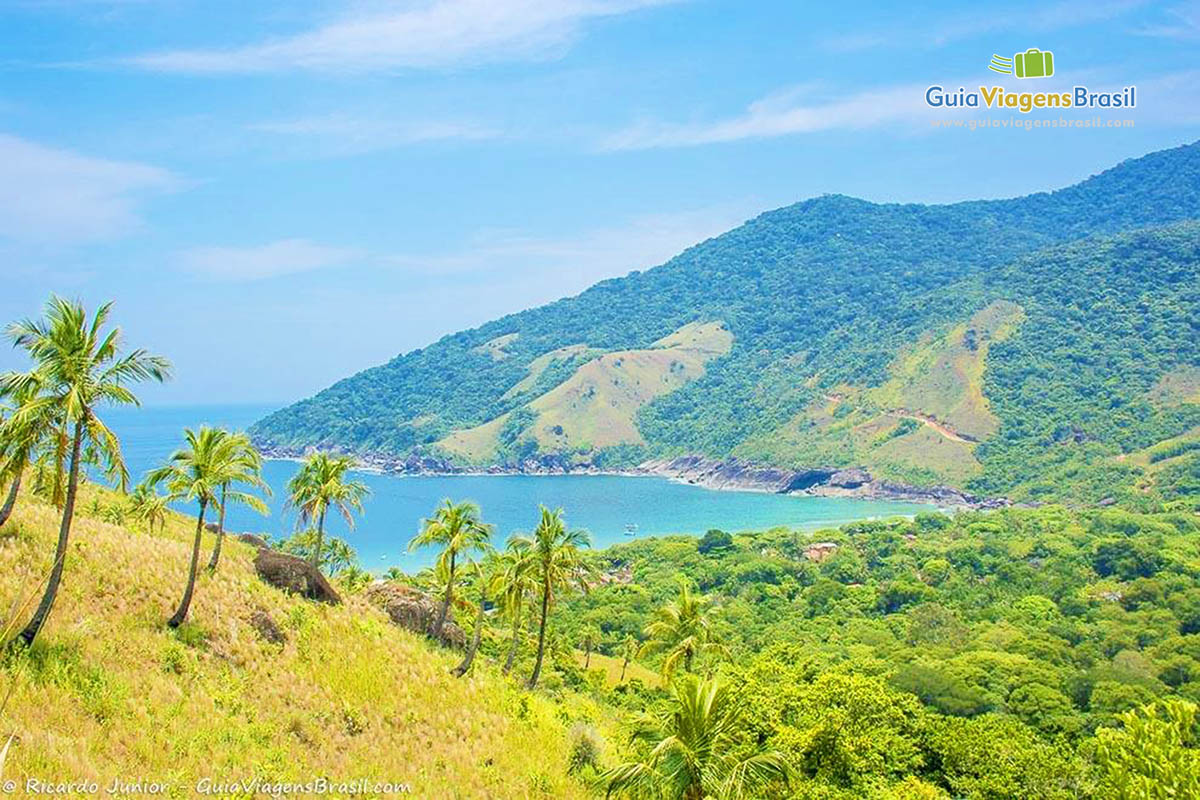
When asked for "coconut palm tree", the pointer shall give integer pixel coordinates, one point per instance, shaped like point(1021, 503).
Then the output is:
point(210, 461)
point(514, 582)
point(698, 749)
point(591, 638)
point(558, 567)
point(149, 507)
point(250, 474)
point(457, 528)
point(482, 576)
point(78, 367)
point(320, 484)
point(682, 630)
point(24, 429)
point(629, 649)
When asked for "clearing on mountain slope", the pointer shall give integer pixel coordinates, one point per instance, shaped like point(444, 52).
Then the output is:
point(596, 407)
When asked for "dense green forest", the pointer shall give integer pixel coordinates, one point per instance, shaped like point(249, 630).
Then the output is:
point(984, 655)
point(825, 299)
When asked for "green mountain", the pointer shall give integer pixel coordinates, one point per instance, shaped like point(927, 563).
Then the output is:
point(1030, 347)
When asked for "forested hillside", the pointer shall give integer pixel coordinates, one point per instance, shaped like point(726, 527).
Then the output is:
point(1030, 347)
point(983, 656)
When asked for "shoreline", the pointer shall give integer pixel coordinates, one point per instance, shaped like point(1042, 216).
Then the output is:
point(853, 483)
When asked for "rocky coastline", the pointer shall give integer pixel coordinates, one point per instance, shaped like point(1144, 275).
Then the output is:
point(730, 474)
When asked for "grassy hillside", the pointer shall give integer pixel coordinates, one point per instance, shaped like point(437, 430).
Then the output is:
point(596, 407)
point(943, 316)
point(110, 692)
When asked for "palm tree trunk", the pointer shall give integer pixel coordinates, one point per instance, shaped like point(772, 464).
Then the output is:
point(462, 668)
point(316, 554)
point(444, 611)
point(541, 651)
point(60, 550)
point(516, 638)
point(11, 501)
point(587, 656)
point(181, 613)
point(216, 553)
point(624, 666)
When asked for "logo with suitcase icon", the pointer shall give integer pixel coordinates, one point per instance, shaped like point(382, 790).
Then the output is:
point(1033, 63)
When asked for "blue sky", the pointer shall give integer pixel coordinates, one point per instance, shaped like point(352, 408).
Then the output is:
point(280, 194)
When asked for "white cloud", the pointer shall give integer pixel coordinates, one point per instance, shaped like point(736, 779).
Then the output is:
point(1183, 24)
point(436, 33)
point(284, 257)
point(1030, 19)
point(53, 195)
point(339, 134)
point(552, 267)
point(779, 115)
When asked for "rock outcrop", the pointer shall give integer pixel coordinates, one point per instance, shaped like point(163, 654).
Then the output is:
point(734, 474)
point(823, 481)
point(253, 540)
point(295, 575)
point(267, 628)
point(413, 610)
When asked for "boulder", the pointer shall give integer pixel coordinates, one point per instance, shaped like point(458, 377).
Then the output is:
point(253, 540)
point(294, 575)
point(262, 622)
point(413, 610)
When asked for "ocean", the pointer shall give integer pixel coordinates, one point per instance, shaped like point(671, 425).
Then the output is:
point(611, 508)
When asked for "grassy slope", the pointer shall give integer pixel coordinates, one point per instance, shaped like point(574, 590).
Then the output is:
point(597, 406)
point(943, 378)
point(109, 691)
point(611, 667)
point(936, 384)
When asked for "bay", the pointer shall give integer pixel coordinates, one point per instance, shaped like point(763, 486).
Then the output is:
point(604, 505)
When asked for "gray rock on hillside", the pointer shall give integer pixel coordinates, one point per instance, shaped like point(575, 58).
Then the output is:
point(262, 622)
point(254, 540)
point(413, 610)
point(294, 575)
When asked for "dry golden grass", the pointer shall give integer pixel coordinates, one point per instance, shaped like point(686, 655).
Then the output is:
point(110, 692)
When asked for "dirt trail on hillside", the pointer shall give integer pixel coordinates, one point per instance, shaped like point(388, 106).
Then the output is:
point(941, 427)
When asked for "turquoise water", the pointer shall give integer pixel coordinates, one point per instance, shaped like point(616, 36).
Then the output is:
point(601, 504)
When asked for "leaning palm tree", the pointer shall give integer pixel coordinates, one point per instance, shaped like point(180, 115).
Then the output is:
point(682, 630)
point(483, 578)
point(24, 430)
point(210, 462)
point(320, 484)
point(249, 472)
point(558, 566)
point(149, 507)
point(457, 529)
point(699, 749)
point(514, 582)
point(78, 367)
